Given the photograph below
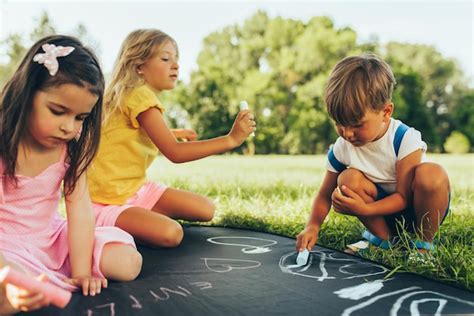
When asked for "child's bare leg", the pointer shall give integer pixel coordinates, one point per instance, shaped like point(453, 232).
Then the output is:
point(150, 228)
point(357, 182)
point(430, 198)
point(186, 205)
point(129, 258)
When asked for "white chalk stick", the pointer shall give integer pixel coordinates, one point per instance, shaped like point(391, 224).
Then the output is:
point(245, 106)
point(303, 257)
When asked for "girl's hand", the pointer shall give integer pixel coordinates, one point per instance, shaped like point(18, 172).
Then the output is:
point(24, 300)
point(244, 125)
point(307, 238)
point(185, 134)
point(90, 285)
point(348, 202)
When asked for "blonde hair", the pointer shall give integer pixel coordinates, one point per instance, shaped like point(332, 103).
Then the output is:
point(358, 84)
point(139, 46)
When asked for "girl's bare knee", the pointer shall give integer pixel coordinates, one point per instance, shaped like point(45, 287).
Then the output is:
point(171, 236)
point(132, 265)
point(208, 211)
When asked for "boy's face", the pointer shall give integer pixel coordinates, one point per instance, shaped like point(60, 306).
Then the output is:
point(371, 128)
point(161, 71)
point(57, 115)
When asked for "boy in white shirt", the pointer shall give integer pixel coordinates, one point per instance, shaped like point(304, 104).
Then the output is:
point(377, 168)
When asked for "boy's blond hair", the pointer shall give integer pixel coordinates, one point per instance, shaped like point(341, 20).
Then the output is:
point(358, 84)
point(139, 46)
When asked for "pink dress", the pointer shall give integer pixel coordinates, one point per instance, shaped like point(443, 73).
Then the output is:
point(33, 235)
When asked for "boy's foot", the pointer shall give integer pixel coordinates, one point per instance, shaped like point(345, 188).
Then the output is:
point(422, 253)
point(419, 258)
point(357, 248)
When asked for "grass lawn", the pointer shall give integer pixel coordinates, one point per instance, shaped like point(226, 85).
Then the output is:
point(275, 193)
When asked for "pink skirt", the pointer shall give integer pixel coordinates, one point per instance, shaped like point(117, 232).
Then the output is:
point(146, 197)
point(52, 256)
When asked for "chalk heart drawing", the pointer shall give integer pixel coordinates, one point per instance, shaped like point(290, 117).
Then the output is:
point(222, 265)
point(320, 262)
point(250, 245)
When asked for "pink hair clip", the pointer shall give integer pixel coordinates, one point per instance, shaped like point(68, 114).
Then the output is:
point(49, 57)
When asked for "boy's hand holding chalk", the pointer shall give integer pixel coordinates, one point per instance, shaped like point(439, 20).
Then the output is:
point(245, 106)
point(56, 295)
point(302, 258)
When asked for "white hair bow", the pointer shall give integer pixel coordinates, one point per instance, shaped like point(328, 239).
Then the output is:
point(49, 57)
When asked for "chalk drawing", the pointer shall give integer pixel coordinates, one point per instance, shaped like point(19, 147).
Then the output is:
point(400, 300)
point(321, 258)
point(248, 249)
point(359, 291)
point(136, 303)
point(163, 295)
point(414, 306)
point(222, 265)
point(202, 285)
point(166, 293)
point(414, 310)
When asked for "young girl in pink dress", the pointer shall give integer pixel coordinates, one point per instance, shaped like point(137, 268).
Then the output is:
point(50, 117)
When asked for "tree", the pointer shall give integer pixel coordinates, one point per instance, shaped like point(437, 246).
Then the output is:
point(16, 45)
point(463, 114)
point(457, 143)
point(279, 66)
point(441, 78)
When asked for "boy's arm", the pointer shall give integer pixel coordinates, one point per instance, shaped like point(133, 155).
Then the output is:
point(81, 228)
point(321, 206)
point(155, 126)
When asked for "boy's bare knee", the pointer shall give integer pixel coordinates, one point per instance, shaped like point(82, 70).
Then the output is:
point(352, 178)
point(430, 177)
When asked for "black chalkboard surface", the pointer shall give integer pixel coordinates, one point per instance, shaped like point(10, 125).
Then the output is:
point(223, 271)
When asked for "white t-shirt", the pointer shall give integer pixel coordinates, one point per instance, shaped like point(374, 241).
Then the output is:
point(377, 160)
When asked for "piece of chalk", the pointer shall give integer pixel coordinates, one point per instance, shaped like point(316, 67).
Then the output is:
point(245, 106)
point(303, 257)
point(56, 295)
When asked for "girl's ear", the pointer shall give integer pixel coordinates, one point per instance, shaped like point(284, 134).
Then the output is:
point(387, 111)
point(139, 70)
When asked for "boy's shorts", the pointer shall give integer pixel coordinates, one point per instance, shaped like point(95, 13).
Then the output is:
point(407, 217)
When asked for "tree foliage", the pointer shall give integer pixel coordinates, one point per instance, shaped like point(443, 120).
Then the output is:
point(280, 66)
point(16, 44)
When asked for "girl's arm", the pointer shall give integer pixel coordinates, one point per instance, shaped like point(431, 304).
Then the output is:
point(321, 206)
point(184, 134)
point(81, 229)
point(81, 235)
point(391, 204)
point(155, 126)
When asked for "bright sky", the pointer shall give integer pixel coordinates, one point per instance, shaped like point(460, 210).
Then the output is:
point(447, 25)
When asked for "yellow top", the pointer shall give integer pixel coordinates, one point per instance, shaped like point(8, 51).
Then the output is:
point(125, 151)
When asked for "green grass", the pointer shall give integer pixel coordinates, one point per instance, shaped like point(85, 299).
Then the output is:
point(275, 193)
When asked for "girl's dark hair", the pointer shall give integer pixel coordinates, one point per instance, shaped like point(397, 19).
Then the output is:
point(81, 68)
